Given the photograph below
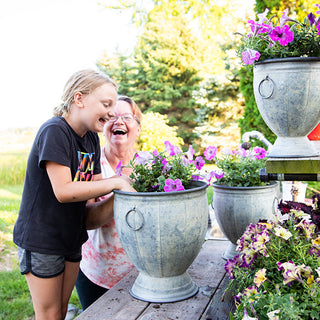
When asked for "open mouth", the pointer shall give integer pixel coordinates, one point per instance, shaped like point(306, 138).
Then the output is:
point(102, 121)
point(119, 132)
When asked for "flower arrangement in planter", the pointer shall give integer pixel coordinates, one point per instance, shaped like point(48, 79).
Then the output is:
point(173, 170)
point(280, 38)
point(241, 167)
point(276, 274)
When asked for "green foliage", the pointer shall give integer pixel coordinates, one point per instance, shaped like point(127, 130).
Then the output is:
point(252, 119)
point(181, 43)
point(277, 272)
point(15, 300)
point(152, 170)
point(242, 168)
point(153, 126)
point(162, 75)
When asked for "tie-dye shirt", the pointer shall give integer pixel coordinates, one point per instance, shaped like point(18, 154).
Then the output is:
point(104, 261)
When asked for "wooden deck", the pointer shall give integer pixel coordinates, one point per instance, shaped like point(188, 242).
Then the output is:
point(207, 271)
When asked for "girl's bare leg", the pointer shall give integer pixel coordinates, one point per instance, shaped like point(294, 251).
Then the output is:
point(69, 280)
point(50, 296)
point(46, 296)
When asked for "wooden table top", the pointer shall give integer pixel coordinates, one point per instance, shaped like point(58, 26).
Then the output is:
point(207, 271)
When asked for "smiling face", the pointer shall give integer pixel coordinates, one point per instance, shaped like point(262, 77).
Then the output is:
point(120, 133)
point(94, 109)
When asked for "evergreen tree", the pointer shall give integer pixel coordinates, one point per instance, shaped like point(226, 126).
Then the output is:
point(162, 75)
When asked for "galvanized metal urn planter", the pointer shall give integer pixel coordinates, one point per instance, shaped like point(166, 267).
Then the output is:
point(162, 233)
point(288, 97)
point(236, 207)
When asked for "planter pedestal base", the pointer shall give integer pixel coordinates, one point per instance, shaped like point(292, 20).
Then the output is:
point(292, 147)
point(169, 289)
point(231, 252)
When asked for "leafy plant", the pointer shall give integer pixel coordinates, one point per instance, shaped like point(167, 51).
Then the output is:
point(173, 170)
point(287, 38)
point(169, 170)
point(241, 167)
point(276, 274)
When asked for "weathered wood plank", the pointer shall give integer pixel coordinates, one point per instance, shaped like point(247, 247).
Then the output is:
point(117, 303)
point(221, 304)
point(207, 271)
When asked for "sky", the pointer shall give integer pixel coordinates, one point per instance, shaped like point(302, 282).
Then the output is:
point(43, 42)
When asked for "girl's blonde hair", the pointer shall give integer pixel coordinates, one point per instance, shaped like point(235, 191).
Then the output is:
point(84, 81)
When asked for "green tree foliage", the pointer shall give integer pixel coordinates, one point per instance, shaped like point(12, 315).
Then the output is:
point(155, 122)
point(162, 75)
point(181, 65)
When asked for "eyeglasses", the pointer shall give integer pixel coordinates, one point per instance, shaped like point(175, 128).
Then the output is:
point(125, 117)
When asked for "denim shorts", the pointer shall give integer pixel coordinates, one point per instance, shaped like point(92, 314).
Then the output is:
point(44, 265)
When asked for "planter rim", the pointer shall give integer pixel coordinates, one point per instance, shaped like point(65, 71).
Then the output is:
point(225, 186)
point(196, 186)
point(288, 59)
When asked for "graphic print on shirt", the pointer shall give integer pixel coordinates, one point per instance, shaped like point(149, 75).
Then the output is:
point(85, 167)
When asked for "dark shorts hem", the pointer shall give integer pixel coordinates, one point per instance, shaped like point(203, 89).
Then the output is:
point(44, 265)
point(42, 276)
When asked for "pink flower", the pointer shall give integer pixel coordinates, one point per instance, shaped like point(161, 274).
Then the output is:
point(208, 177)
point(249, 56)
point(284, 17)
point(118, 168)
point(142, 157)
point(283, 35)
point(218, 174)
point(210, 152)
point(263, 16)
point(190, 154)
point(171, 149)
point(171, 185)
point(260, 153)
point(257, 27)
point(199, 162)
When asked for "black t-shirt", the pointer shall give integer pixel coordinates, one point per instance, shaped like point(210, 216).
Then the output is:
point(45, 225)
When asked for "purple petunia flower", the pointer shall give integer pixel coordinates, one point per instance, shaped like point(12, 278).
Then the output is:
point(118, 168)
point(218, 174)
point(284, 18)
point(199, 162)
point(311, 18)
point(142, 157)
point(171, 149)
point(283, 35)
point(260, 153)
point(210, 152)
point(257, 27)
point(190, 154)
point(249, 56)
point(171, 185)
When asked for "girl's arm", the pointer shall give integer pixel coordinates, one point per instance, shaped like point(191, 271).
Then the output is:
point(67, 190)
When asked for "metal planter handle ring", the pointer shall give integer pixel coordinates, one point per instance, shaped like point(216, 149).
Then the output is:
point(137, 226)
point(270, 86)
